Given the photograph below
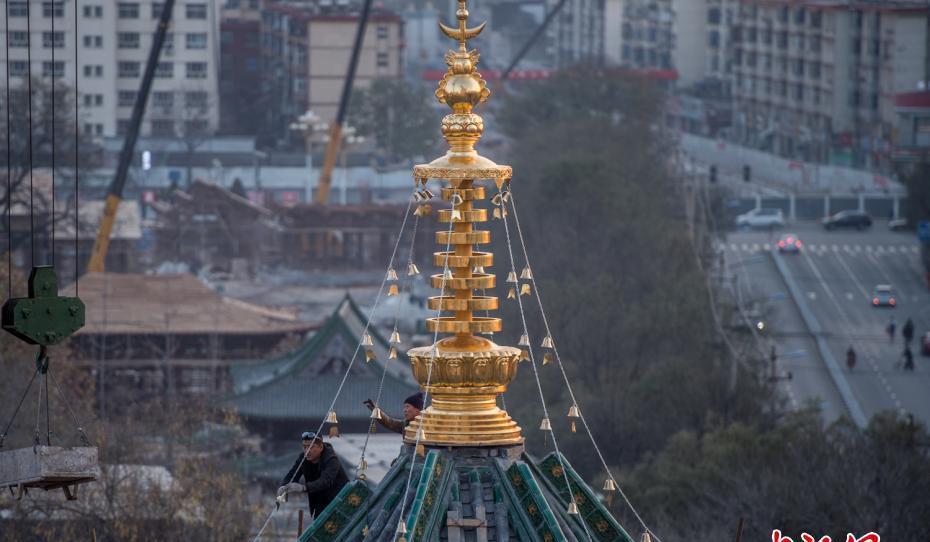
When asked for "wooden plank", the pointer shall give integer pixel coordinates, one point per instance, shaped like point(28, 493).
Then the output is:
point(48, 467)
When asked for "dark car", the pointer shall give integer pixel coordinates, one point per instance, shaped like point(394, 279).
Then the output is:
point(859, 220)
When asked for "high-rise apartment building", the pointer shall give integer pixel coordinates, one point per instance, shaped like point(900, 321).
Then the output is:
point(306, 46)
point(114, 39)
point(818, 80)
point(576, 34)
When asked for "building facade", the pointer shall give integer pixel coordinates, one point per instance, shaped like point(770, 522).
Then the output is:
point(306, 47)
point(576, 34)
point(114, 39)
point(818, 80)
point(240, 66)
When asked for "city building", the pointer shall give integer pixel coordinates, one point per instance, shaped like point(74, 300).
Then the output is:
point(912, 144)
point(240, 66)
point(576, 34)
point(819, 80)
point(306, 47)
point(665, 36)
point(113, 44)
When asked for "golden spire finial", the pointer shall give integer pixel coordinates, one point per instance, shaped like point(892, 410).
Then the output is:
point(462, 34)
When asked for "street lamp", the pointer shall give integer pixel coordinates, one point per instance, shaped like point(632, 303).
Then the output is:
point(309, 124)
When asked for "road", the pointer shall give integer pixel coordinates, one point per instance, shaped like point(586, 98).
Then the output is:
point(836, 272)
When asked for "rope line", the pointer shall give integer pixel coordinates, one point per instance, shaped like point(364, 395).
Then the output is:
point(9, 161)
point(351, 362)
point(371, 424)
point(568, 385)
point(64, 399)
point(22, 399)
point(542, 398)
point(77, 154)
point(429, 370)
point(52, 225)
point(32, 225)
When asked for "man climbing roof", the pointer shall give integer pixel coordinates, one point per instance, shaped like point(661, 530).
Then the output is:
point(412, 407)
point(322, 473)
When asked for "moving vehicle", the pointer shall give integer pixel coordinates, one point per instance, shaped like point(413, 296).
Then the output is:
point(761, 217)
point(899, 224)
point(789, 242)
point(883, 296)
point(859, 220)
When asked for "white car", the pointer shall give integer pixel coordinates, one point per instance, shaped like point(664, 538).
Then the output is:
point(761, 217)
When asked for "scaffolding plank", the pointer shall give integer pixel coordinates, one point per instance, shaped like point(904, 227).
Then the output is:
point(48, 467)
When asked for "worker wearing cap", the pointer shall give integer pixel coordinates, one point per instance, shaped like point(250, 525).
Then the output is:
point(322, 473)
point(412, 407)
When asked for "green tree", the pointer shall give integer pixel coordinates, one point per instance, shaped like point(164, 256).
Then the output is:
point(399, 116)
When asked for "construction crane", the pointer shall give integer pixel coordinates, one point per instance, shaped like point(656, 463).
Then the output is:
point(115, 191)
point(335, 129)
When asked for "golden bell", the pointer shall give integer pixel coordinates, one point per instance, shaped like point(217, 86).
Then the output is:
point(393, 353)
point(526, 274)
point(331, 417)
point(365, 531)
point(497, 212)
point(447, 274)
point(334, 431)
point(392, 291)
point(524, 355)
point(610, 485)
point(427, 194)
point(524, 289)
point(478, 269)
point(395, 338)
point(496, 200)
point(412, 269)
point(547, 342)
point(506, 196)
point(401, 527)
point(512, 277)
point(456, 215)
point(574, 412)
point(369, 356)
point(366, 340)
point(423, 210)
point(646, 537)
point(524, 340)
point(545, 425)
point(421, 450)
point(573, 508)
point(512, 293)
point(574, 427)
point(363, 465)
point(547, 358)
point(375, 414)
point(456, 199)
point(391, 274)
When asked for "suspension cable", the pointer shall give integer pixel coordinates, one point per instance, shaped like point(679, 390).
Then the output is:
point(568, 385)
point(9, 162)
point(77, 154)
point(22, 399)
point(52, 222)
point(529, 348)
point(432, 363)
point(32, 225)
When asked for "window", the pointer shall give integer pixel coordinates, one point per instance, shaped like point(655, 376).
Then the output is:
point(814, 70)
point(163, 99)
point(122, 126)
point(19, 39)
point(93, 42)
point(93, 12)
point(53, 40)
point(383, 32)
point(127, 69)
point(815, 44)
point(168, 46)
point(19, 68)
point(713, 39)
point(165, 70)
point(91, 100)
point(93, 70)
point(783, 14)
point(156, 9)
point(195, 11)
point(196, 126)
point(782, 40)
point(196, 70)
point(127, 40)
point(195, 99)
point(19, 9)
point(126, 98)
point(196, 41)
point(163, 128)
point(53, 9)
point(751, 59)
point(383, 59)
point(800, 16)
point(127, 10)
point(816, 19)
point(53, 69)
point(713, 16)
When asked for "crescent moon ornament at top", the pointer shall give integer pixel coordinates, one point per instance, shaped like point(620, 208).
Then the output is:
point(462, 34)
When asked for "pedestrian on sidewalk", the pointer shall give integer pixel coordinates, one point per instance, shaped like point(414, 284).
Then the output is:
point(907, 332)
point(908, 359)
point(851, 358)
point(891, 328)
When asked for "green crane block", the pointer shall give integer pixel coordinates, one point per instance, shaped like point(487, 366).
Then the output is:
point(44, 318)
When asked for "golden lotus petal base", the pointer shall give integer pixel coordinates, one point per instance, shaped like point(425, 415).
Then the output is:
point(465, 375)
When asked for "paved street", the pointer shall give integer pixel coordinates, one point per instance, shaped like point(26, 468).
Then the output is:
point(836, 272)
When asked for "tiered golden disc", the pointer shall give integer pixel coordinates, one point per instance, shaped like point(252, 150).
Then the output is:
point(468, 372)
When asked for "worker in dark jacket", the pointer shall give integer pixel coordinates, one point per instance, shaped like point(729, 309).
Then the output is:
point(412, 407)
point(322, 473)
